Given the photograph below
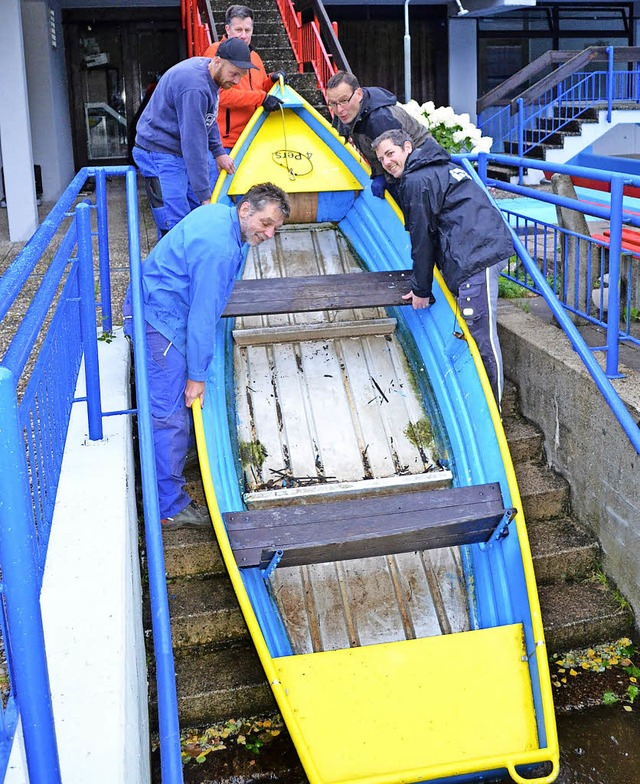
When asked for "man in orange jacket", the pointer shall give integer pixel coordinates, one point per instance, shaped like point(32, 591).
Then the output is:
point(238, 104)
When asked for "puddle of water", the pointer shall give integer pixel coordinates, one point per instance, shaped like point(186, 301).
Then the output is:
point(600, 746)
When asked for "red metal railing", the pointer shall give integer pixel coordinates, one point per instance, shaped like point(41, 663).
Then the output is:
point(314, 52)
point(200, 35)
point(308, 45)
point(306, 38)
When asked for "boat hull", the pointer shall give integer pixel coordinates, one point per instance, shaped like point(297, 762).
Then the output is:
point(453, 704)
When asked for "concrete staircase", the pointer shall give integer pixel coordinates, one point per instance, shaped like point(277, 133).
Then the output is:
point(271, 42)
point(578, 609)
point(563, 144)
point(219, 674)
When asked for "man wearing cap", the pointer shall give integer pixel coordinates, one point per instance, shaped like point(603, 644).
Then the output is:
point(238, 104)
point(178, 128)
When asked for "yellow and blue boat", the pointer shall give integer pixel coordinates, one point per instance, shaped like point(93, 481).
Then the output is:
point(362, 491)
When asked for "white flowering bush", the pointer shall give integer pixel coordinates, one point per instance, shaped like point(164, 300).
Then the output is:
point(455, 132)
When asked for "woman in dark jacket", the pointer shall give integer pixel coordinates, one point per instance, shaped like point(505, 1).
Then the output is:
point(453, 223)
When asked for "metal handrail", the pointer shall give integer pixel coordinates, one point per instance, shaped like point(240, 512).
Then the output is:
point(558, 98)
point(314, 42)
point(26, 509)
point(613, 213)
point(200, 35)
point(168, 724)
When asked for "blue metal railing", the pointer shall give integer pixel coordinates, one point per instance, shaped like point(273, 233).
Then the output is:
point(561, 300)
point(525, 123)
point(33, 428)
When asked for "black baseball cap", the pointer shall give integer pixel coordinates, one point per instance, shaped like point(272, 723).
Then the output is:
point(236, 52)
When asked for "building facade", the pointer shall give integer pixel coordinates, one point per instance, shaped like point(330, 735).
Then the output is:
point(74, 72)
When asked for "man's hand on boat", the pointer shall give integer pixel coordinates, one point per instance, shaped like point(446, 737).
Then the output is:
point(192, 390)
point(226, 162)
point(417, 302)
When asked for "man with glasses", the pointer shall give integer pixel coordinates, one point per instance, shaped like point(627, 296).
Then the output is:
point(360, 114)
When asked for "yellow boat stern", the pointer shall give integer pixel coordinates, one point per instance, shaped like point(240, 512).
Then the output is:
point(409, 711)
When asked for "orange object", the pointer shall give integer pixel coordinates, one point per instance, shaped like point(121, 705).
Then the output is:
point(630, 239)
point(238, 104)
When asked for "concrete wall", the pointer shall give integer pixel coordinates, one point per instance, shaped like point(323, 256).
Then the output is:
point(15, 129)
point(583, 439)
point(624, 137)
point(463, 68)
point(48, 96)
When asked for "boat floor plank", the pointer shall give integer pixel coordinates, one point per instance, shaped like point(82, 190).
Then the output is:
point(334, 491)
point(332, 417)
point(294, 333)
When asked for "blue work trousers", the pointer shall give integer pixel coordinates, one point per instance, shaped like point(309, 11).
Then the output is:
point(167, 185)
point(478, 303)
point(171, 420)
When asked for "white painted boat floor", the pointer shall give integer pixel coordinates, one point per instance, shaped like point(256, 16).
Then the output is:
point(325, 412)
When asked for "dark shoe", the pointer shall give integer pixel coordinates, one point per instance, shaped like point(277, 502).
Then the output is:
point(192, 516)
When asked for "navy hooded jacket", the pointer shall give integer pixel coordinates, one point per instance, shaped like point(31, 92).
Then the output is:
point(451, 220)
point(379, 112)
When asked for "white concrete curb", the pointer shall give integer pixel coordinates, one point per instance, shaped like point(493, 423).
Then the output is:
point(91, 598)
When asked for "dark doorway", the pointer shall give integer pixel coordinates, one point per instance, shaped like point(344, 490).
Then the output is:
point(113, 57)
point(373, 41)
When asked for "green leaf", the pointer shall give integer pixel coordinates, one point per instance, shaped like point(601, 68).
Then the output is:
point(609, 698)
point(632, 692)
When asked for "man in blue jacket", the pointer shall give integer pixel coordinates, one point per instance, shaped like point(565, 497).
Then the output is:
point(360, 114)
point(186, 282)
point(453, 224)
point(178, 130)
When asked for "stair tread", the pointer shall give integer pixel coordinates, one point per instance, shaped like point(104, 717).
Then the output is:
point(217, 684)
point(535, 478)
point(190, 552)
point(544, 493)
point(562, 550)
point(194, 598)
point(559, 536)
point(581, 613)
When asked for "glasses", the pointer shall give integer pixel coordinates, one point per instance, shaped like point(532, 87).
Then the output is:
point(341, 102)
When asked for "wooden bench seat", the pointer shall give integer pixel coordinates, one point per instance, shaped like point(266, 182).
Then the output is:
point(316, 533)
point(267, 296)
point(630, 239)
point(629, 266)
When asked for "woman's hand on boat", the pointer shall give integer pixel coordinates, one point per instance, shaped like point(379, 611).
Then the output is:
point(192, 390)
point(226, 162)
point(417, 302)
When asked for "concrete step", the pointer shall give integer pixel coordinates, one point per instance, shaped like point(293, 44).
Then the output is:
point(545, 494)
point(580, 614)
point(270, 35)
point(525, 440)
point(205, 612)
point(562, 550)
point(510, 401)
point(192, 553)
point(214, 685)
point(279, 59)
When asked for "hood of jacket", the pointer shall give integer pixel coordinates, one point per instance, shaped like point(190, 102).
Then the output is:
point(429, 153)
point(374, 98)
